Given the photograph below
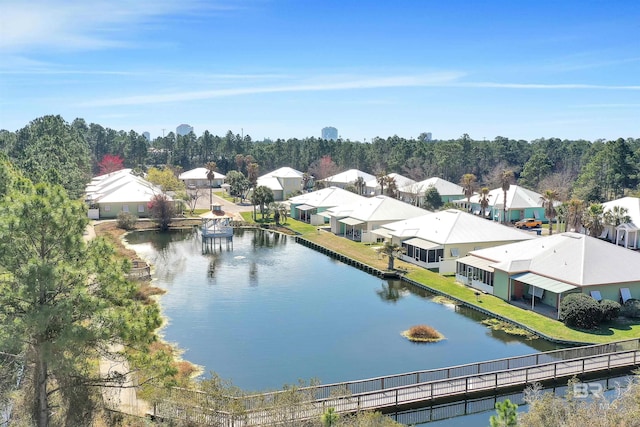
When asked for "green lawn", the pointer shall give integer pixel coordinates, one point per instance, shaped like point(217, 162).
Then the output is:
point(447, 285)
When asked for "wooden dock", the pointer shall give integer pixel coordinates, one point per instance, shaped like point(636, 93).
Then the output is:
point(396, 392)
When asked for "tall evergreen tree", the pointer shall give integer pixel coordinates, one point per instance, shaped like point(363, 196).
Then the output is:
point(63, 303)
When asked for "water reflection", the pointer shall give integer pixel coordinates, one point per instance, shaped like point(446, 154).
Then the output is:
point(392, 291)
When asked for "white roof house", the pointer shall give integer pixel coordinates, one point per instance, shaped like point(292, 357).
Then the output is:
point(357, 220)
point(120, 191)
point(521, 203)
point(401, 181)
point(625, 233)
point(306, 205)
point(449, 234)
point(283, 182)
point(565, 262)
point(349, 177)
point(198, 177)
point(448, 190)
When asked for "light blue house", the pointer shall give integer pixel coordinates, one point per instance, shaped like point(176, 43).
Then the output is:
point(521, 203)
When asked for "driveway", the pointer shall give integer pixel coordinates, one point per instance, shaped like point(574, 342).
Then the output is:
point(227, 206)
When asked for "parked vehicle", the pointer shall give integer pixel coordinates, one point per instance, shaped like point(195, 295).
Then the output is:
point(529, 223)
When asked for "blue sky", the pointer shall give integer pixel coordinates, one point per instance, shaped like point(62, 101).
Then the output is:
point(287, 68)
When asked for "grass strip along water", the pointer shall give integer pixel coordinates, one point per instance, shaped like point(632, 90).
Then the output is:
point(545, 327)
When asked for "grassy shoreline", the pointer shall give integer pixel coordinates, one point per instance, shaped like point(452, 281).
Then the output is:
point(537, 323)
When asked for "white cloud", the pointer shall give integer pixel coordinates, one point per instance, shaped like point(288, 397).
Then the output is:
point(77, 24)
point(542, 86)
point(434, 79)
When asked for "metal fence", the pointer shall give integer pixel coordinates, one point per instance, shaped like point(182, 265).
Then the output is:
point(398, 390)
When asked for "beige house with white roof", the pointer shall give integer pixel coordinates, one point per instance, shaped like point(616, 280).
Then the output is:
point(198, 178)
point(357, 221)
point(414, 192)
point(310, 207)
point(120, 191)
point(436, 240)
point(544, 270)
point(283, 182)
point(349, 177)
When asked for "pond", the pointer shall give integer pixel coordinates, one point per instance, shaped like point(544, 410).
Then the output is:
point(267, 311)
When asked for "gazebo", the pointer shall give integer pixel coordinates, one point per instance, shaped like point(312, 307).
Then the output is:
point(627, 235)
point(216, 225)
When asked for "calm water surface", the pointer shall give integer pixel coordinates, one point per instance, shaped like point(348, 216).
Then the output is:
point(269, 312)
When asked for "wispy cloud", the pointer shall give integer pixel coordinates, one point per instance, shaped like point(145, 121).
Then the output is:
point(435, 79)
point(604, 106)
point(543, 86)
point(442, 79)
point(78, 24)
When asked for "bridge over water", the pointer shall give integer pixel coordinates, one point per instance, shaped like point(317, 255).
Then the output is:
point(397, 392)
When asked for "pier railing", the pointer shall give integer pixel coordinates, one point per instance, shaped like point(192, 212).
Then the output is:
point(325, 391)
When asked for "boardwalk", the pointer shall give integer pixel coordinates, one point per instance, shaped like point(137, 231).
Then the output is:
point(431, 386)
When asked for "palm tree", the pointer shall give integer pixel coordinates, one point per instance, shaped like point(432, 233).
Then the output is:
point(594, 219)
point(360, 185)
point(484, 200)
point(391, 251)
point(306, 178)
point(575, 210)
point(252, 175)
point(548, 199)
point(392, 188)
point(211, 174)
point(506, 179)
point(381, 178)
point(468, 182)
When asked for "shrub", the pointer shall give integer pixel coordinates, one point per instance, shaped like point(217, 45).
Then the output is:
point(422, 333)
point(631, 308)
point(581, 311)
point(610, 310)
point(126, 220)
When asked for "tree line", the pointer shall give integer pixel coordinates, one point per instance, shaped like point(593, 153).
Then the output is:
point(592, 171)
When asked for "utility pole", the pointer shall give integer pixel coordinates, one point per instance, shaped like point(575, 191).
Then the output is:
point(163, 132)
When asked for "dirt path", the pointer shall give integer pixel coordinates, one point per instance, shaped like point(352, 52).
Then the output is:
point(123, 399)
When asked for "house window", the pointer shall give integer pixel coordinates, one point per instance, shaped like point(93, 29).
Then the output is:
point(107, 208)
point(125, 208)
point(439, 254)
point(409, 249)
point(140, 208)
point(454, 252)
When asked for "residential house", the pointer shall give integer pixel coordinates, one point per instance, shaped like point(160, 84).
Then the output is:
point(283, 182)
point(356, 221)
point(626, 234)
point(198, 178)
point(544, 270)
point(414, 192)
point(351, 177)
point(400, 182)
point(436, 240)
point(521, 203)
point(310, 207)
point(121, 191)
